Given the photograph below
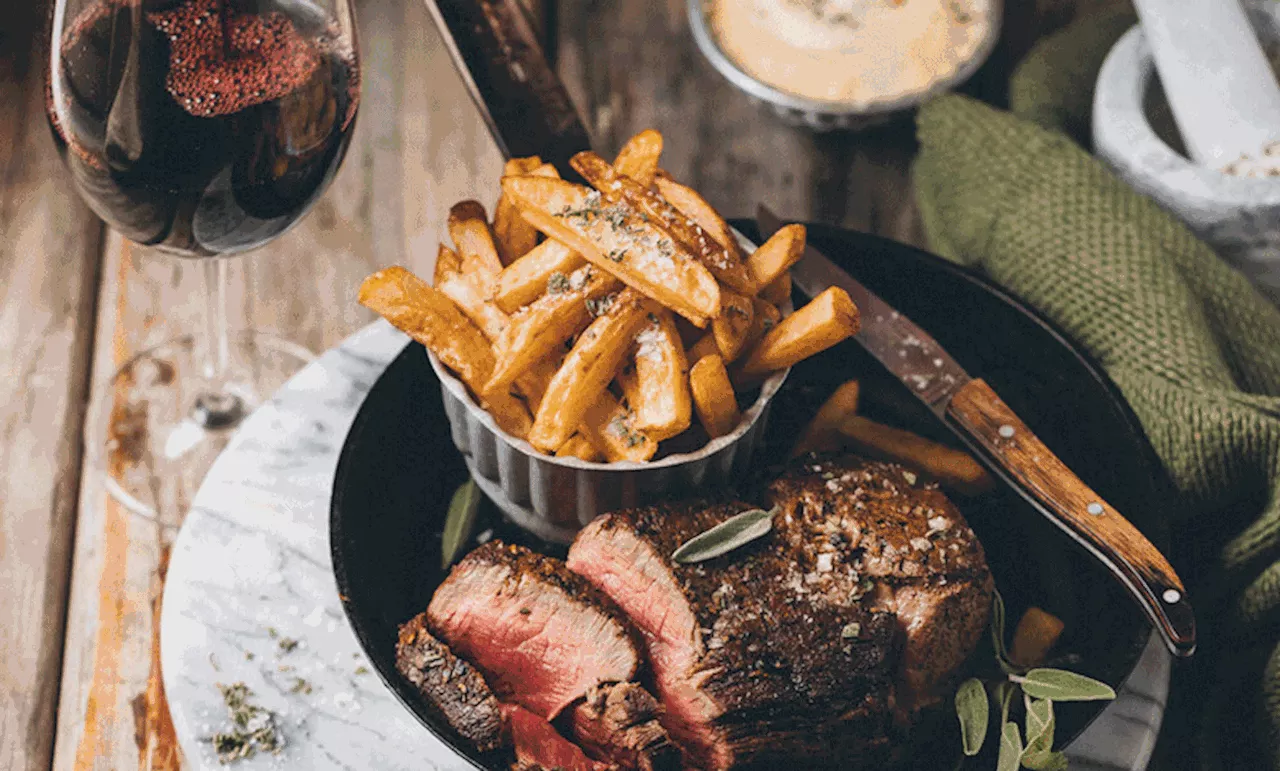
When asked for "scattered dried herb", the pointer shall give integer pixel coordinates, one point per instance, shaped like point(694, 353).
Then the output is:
point(253, 729)
point(599, 306)
point(362, 670)
point(288, 645)
point(733, 533)
point(300, 686)
point(558, 283)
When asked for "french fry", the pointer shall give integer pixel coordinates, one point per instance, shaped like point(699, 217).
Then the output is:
point(611, 427)
point(431, 318)
point(705, 346)
point(587, 370)
point(696, 208)
point(447, 264)
point(639, 157)
point(657, 391)
point(515, 237)
point(491, 321)
point(823, 432)
point(952, 468)
point(526, 279)
point(776, 256)
point(540, 329)
point(779, 291)
point(578, 447)
point(764, 317)
point(1038, 631)
point(830, 318)
point(713, 396)
point(734, 324)
point(469, 229)
point(618, 240)
point(616, 188)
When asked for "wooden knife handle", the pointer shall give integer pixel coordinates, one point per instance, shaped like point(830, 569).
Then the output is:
point(1045, 481)
point(497, 51)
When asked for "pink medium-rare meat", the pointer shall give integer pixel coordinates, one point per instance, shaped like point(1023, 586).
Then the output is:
point(619, 723)
point(539, 747)
point(540, 634)
point(752, 668)
point(858, 524)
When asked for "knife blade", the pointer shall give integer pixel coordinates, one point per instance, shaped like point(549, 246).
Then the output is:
point(1007, 446)
point(519, 95)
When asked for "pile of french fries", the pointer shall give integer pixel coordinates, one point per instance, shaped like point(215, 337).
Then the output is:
point(597, 322)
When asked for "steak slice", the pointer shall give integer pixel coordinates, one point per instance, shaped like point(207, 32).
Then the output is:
point(540, 634)
point(453, 686)
point(753, 667)
point(619, 723)
point(860, 526)
point(539, 747)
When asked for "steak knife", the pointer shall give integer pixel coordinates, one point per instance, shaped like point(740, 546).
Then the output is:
point(528, 111)
point(981, 419)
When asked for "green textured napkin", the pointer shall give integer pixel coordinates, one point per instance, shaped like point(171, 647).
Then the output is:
point(1194, 348)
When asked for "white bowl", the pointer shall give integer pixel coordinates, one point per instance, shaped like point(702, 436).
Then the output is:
point(821, 115)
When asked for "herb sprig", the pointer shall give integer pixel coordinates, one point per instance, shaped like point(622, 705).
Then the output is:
point(1041, 687)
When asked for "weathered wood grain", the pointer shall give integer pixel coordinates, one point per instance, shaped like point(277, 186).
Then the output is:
point(418, 146)
point(48, 273)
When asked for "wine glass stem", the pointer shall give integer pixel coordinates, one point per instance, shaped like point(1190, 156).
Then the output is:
point(216, 407)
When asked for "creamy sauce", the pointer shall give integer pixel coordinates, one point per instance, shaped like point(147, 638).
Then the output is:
point(857, 51)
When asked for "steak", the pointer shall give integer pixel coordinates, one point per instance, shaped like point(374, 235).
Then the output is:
point(541, 635)
point(904, 541)
point(805, 645)
point(456, 690)
point(619, 723)
point(752, 668)
point(539, 747)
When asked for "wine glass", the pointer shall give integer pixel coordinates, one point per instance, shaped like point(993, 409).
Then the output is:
point(202, 129)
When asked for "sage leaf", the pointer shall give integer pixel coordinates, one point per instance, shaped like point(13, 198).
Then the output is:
point(997, 633)
point(974, 711)
point(1045, 761)
point(1040, 724)
point(1010, 756)
point(1061, 685)
point(459, 522)
point(730, 534)
point(1003, 692)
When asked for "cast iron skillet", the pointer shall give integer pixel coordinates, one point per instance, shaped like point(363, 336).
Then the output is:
point(398, 469)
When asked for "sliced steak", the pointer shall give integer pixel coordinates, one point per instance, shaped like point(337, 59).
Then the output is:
point(540, 634)
point(539, 747)
point(860, 526)
point(619, 723)
point(753, 666)
point(458, 692)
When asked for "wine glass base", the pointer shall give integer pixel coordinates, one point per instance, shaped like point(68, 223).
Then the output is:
point(166, 423)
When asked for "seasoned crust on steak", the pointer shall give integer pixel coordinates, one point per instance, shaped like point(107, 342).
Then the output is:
point(457, 691)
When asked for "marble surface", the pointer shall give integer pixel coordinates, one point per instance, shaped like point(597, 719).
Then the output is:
point(251, 571)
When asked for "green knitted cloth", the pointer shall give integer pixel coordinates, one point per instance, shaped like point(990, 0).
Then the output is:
point(1194, 348)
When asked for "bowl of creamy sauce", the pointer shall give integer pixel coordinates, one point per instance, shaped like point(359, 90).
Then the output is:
point(830, 58)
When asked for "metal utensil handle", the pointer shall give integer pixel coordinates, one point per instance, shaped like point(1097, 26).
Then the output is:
point(994, 431)
point(521, 98)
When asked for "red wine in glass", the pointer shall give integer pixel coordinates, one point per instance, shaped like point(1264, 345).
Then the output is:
point(202, 127)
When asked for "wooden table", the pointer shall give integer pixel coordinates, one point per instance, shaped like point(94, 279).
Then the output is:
point(81, 576)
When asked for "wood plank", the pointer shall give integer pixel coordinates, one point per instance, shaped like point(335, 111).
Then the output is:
point(49, 244)
point(418, 146)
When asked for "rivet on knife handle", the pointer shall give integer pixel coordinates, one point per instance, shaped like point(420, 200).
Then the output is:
point(1041, 477)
